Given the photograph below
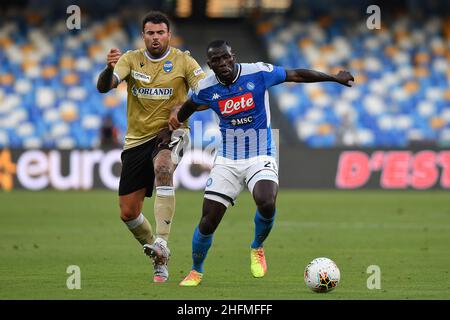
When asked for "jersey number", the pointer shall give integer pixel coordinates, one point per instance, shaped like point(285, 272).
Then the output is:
point(268, 164)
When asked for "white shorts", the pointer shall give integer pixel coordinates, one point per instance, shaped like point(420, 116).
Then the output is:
point(228, 177)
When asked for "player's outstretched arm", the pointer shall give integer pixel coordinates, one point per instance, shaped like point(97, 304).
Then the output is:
point(182, 113)
point(106, 80)
point(305, 75)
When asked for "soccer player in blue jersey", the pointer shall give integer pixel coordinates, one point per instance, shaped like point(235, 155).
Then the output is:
point(237, 92)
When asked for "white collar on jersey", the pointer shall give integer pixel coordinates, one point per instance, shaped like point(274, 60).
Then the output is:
point(235, 78)
point(159, 59)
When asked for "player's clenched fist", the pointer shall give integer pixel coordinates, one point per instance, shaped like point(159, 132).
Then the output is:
point(345, 78)
point(112, 57)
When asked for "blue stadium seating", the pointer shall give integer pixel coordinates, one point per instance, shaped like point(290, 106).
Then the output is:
point(49, 99)
point(401, 94)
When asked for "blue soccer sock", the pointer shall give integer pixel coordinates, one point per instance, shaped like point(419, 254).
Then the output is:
point(200, 246)
point(262, 229)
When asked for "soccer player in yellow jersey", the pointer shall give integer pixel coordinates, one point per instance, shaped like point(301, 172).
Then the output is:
point(158, 79)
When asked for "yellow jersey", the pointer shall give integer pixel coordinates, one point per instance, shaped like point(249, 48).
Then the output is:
point(154, 87)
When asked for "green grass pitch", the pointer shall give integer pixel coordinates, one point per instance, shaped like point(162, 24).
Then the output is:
point(405, 233)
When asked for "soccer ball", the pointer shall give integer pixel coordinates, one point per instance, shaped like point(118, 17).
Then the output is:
point(322, 275)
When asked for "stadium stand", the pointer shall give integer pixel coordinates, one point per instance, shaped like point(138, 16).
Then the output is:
point(402, 76)
point(49, 100)
point(48, 79)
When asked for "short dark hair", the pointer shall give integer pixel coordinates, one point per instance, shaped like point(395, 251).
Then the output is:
point(156, 17)
point(217, 44)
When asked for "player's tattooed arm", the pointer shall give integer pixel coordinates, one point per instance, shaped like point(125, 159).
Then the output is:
point(106, 80)
point(304, 75)
point(182, 113)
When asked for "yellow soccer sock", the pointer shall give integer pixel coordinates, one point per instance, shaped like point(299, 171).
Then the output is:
point(141, 229)
point(164, 210)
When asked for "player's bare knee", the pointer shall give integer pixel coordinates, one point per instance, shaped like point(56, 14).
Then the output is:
point(129, 212)
point(266, 207)
point(206, 226)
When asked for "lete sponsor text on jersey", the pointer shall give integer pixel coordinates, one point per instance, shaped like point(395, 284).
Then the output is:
point(237, 104)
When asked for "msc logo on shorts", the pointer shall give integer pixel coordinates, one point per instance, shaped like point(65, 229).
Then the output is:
point(209, 182)
point(168, 66)
point(152, 93)
point(240, 121)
